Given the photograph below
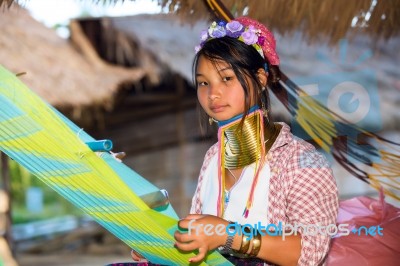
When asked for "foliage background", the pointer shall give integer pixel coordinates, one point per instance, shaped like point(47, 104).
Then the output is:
point(53, 204)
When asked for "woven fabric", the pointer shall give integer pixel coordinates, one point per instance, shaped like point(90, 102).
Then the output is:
point(54, 149)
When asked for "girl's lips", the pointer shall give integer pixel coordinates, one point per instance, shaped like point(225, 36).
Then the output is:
point(217, 108)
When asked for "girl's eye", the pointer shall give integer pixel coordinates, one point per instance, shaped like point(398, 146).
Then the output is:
point(225, 79)
point(202, 83)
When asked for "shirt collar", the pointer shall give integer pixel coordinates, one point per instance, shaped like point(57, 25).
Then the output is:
point(283, 138)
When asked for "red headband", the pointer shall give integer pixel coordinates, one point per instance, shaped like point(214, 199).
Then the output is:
point(269, 44)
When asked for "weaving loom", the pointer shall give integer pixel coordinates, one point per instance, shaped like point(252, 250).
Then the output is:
point(54, 149)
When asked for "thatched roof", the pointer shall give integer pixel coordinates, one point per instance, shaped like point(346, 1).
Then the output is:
point(54, 69)
point(331, 20)
point(165, 36)
point(328, 20)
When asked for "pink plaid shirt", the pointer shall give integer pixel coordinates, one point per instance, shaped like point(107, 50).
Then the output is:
point(302, 190)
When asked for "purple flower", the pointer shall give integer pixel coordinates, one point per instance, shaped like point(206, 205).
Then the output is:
point(261, 40)
point(249, 37)
point(234, 29)
point(217, 32)
point(197, 48)
point(203, 35)
point(221, 23)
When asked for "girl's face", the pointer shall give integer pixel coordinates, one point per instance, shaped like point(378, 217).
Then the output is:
point(219, 91)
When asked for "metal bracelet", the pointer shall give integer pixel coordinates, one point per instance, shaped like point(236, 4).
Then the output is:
point(256, 241)
point(227, 248)
point(244, 246)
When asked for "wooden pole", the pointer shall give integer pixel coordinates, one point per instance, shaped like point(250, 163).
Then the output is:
point(219, 10)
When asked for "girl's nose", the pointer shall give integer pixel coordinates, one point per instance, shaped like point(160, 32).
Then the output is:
point(214, 92)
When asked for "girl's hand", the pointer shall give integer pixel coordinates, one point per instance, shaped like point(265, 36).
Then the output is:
point(204, 233)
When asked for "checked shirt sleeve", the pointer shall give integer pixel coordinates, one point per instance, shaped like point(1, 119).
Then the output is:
point(312, 199)
point(196, 200)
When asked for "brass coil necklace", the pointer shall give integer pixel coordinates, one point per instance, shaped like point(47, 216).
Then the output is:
point(243, 145)
point(240, 144)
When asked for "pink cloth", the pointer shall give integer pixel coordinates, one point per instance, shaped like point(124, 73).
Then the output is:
point(363, 249)
point(269, 45)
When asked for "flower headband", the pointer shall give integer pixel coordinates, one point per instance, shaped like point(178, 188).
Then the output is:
point(247, 30)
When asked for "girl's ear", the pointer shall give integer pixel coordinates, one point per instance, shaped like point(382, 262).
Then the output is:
point(262, 76)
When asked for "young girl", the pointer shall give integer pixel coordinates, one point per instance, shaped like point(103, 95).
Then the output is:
point(258, 174)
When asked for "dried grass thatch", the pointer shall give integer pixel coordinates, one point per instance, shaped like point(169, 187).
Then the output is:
point(329, 19)
point(55, 70)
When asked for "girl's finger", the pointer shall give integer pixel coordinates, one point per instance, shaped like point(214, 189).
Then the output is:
point(189, 220)
point(182, 237)
point(137, 257)
point(190, 246)
point(200, 256)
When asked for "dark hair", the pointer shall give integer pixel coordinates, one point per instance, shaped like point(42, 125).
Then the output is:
point(245, 62)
